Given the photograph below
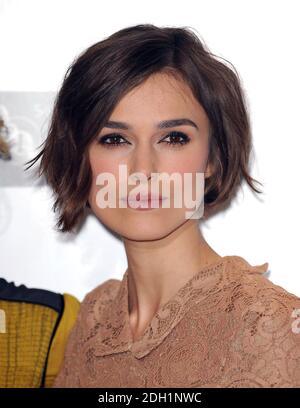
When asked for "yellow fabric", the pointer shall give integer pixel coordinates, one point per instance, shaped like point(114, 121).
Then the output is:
point(24, 343)
point(58, 345)
point(26, 349)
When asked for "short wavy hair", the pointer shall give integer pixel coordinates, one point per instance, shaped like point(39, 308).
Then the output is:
point(101, 75)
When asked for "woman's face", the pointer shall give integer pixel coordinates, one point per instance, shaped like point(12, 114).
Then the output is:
point(143, 148)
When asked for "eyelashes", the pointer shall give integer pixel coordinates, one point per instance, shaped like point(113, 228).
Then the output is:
point(114, 140)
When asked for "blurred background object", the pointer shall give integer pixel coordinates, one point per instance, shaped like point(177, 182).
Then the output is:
point(4, 145)
point(23, 121)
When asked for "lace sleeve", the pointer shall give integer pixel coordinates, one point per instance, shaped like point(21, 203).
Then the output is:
point(271, 337)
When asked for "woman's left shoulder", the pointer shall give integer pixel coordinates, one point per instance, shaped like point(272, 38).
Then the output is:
point(270, 325)
point(263, 294)
point(258, 279)
point(255, 280)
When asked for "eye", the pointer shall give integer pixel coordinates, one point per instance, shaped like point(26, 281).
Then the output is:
point(114, 140)
point(175, 139)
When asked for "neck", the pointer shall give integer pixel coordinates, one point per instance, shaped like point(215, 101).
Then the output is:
point(158, 269)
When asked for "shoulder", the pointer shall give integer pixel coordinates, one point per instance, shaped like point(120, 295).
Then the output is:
point(102, 293)
point(96, 300)
point(253, 279)
point(106, 289)
point(39, 322)
point(19, 301)
point(255, 292)
point(275, 308)
point(261, 290)
point(268, 336)
point(10, 292)
point(87, 320)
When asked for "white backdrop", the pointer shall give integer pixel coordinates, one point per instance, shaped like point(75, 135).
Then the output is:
point(39, 39)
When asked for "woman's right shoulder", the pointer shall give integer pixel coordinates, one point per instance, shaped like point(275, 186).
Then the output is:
point(106, 289)
point(97, 299)
point(88, 318)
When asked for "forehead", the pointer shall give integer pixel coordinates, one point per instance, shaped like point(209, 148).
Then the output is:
point(160, 96)
point(161, 85)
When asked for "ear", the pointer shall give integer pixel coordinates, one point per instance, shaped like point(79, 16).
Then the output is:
point(208, 171)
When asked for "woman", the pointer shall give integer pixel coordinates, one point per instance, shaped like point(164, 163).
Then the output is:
point(156, 101)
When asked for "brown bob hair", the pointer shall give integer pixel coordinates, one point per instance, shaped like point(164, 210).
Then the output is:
point(101, 75)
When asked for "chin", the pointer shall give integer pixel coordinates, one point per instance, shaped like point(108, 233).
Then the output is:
point(145, 235)
point(141, 226)
point(148, 230)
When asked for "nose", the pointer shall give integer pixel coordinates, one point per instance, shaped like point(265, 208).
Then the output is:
point(143, 160)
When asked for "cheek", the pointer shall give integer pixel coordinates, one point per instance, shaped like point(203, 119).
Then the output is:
point(187, 166)
point(193, 161)
point(101, 165)
point(104, 167)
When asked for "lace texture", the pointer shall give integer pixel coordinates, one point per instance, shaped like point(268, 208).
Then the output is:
point(228, 326)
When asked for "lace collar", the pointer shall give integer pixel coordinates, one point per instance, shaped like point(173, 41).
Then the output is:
point(111, 332)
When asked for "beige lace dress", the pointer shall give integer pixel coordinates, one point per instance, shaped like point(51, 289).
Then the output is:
point(228, 326)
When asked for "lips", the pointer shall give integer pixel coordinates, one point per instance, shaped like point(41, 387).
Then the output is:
point(143, 198)
point(148, 197)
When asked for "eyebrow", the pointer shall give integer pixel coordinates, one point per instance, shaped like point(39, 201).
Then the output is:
point(160, 125)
